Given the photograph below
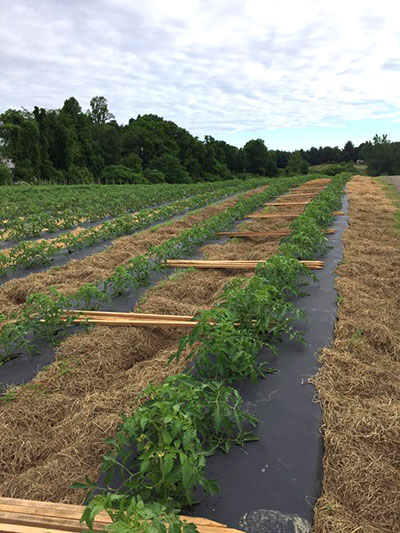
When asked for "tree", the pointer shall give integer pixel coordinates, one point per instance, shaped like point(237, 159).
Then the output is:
point(171, 167)
point(259, 160)
point(133, 162)
point(296, 164)
point(120, 174)
point(99, 110)
point(5, 175)
point(349, 152)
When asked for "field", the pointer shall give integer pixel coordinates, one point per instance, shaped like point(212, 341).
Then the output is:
point(189, 369)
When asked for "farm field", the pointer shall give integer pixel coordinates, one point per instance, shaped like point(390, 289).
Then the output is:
point(53, 428)
point(29, 211)
point(27, 254)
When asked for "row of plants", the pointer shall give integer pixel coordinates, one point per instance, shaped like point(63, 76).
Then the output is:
point(42, 315)
point(31, 253)
point(161, 449)
point(56, 208)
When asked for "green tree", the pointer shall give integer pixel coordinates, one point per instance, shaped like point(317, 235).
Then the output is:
point(296, 164)
point(133, 162)
point(171, 167)
point(259, 160)
point(5, 175)
point(349, 152)
point(99, 112)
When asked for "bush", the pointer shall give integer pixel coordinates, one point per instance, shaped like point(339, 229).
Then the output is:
point(5, 175)
point(120, 174)
point(154, 176)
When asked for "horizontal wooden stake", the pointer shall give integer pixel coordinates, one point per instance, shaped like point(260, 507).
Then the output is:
point(299, 194)
point(240, 265)
point(105, 314)
point(279, 204)
point(338, 213)
point(282, 233)
point(276, 215)
point(30, 516)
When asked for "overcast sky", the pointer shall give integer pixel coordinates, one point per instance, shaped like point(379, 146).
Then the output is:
point(293, 72)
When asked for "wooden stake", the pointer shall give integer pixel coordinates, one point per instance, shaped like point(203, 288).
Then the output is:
point(277, 215)
point(240, 265)
point(282, 233)
point(279, 204)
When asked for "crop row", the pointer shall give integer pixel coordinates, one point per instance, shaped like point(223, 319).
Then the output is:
point(56, 208)
point(161, 448)
point(30, 253)
point(42, 313)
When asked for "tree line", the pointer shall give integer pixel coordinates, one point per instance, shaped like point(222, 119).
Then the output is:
point(71, 146)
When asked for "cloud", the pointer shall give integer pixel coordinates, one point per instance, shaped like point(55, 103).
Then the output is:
point(212, 67)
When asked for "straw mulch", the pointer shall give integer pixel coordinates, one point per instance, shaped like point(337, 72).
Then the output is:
point(359, 385)
point(52, 433)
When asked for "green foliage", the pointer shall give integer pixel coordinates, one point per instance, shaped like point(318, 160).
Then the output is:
point(129, 514)
point(258, 159)
point(118, 174)
point(161, 448)
point(5, 175)
point(251, 313)
point(296, 164)
point(99, 112)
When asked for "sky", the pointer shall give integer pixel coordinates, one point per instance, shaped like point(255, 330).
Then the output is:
point(294, 73)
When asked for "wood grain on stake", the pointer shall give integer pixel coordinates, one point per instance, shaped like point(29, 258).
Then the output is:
point(30, 516)
point(243, 265)
point(278, 233)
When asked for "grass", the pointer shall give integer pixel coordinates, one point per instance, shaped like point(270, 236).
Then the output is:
point(393, 194)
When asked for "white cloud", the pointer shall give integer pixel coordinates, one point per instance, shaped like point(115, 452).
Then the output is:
point(212, 67)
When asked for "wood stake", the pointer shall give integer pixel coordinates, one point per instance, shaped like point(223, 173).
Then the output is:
point(241, 265)
point(279, 204)
point(277, 215)
point(282, 233)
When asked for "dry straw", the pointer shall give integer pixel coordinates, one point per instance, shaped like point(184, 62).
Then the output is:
point(359, 384)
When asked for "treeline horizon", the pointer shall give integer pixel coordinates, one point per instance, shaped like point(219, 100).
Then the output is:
point(70, 146)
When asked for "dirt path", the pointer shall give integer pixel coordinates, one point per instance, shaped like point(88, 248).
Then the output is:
point(358, 384)
point(394, 180)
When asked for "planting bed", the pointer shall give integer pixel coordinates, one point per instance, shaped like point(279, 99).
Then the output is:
point(26, 254)
point(53, 428)
point(358, 384)
point(51, 208)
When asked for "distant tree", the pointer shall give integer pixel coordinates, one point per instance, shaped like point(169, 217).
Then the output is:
point(5, 175)
point(109, 143)
point(171, 167)
point(99, 110)
point(118, 174)
point(133, 162)
point(349, 152)
point(71, 107)
point(154, 176)
point(382, 156)
point(296, 164)
point(259, 160)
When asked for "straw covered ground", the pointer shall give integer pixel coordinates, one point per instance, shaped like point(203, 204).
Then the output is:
point(359, 384)
point(52, 432)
